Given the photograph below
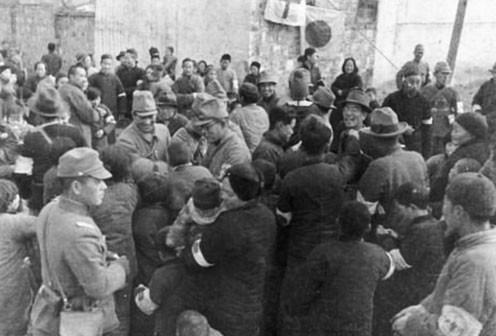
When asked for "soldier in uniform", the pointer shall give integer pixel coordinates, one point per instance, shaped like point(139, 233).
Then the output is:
point(74, 257)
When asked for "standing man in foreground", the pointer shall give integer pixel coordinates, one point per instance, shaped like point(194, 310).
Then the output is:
point(464, 299)
point(74, 258)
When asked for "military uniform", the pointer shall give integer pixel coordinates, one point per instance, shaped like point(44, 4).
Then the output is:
point(77, 252)
point(74, 258)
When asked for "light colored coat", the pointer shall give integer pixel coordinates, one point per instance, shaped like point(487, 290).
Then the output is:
point(76, 252)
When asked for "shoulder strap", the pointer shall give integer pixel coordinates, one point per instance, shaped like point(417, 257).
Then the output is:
point(51, 274)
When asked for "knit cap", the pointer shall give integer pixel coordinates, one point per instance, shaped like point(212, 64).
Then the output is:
point(474, 123)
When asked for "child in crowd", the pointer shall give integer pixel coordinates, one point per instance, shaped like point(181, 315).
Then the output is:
point(212, 84)
point(372, 93)
point(104, 122)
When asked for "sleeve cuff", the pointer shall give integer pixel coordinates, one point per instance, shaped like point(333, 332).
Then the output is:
point(427, 121)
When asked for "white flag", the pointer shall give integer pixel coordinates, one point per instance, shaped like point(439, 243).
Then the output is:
point(287, 12)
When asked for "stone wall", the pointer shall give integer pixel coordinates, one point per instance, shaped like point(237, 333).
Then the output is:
point(31, 24)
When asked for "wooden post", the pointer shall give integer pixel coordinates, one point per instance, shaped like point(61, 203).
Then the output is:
point(457, 32)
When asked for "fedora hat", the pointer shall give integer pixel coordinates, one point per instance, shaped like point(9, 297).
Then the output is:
point(47, 101)
point(266, 77)
point(493, 69)
point(143, 103)
point(359, 97)
point(384, 124)
point(323, 97)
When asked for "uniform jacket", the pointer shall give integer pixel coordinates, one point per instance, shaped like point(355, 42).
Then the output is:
point(53, 62)
point(486, 96)
point(253, 121)
point(82, 114)
point(152, 146)
point(184, 87)
point(76, 250)
point(230, 150)
point(467, 281)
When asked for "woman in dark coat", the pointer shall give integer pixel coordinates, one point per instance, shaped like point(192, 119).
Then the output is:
point(342, 85)
point(230, 259)
point(469, 134)
point(113, 217)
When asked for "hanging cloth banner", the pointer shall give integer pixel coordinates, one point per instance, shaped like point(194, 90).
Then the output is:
point(286, 12)
point(324, 28)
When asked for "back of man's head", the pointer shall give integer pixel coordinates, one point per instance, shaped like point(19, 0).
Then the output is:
point(315, 135)
point(354, 219)
point(51, 46)
point(179, 153)
point(192, 323)
point(475, 193)
point(278, 114)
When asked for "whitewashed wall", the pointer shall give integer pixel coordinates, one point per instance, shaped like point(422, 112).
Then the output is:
point(404, 23)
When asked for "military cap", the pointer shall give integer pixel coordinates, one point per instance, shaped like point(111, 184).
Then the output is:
point(82, 161)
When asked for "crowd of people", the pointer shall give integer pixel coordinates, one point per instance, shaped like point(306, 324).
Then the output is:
point(138, 203)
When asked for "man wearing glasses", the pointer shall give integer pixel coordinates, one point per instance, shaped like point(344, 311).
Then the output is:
point(144, 138)
point(225, 148)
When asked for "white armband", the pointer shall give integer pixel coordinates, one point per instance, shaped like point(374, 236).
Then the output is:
point(391, 267)
point(399, 262)
point(286, 215)
point(198, 255)
point(427, 121)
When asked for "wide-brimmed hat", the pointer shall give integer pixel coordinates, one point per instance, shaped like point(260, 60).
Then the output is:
point(359, 97)
point(384, 124)
point(266, 77)
point(207, 108)
point(323, 97)
point(82, 161)
point(143, 103)
point(47, 101)
point(493, 69)
point(121, 54)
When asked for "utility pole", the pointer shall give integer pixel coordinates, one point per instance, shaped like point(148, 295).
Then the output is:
point(457, 32)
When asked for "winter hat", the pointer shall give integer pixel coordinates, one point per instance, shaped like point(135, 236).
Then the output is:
point(143, 166)
point(475, 193)
point(248, 91)
point(474, 123)
point(411, 69)
point(207, 108)
point(442, 67)
point(206, 200)
point(206, 194)
point(357, 96)
point(324, 98)
point(245, 181)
